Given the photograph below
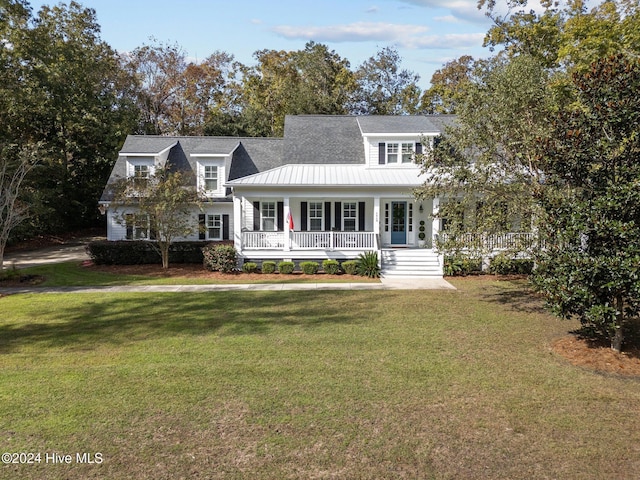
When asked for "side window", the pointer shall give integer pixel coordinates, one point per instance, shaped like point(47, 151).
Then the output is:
point(349, 216)
point(214, 227)
point(268, 216)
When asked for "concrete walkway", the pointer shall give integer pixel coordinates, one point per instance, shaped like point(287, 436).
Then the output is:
point(395, 284)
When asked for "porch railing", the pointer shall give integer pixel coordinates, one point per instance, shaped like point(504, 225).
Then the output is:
point(311, 240)
point(491, 242)
point(262, 240)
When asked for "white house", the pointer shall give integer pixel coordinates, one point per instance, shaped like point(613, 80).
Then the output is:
point(332, 187)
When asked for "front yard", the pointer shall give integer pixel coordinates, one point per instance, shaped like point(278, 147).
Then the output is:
point(262, 385)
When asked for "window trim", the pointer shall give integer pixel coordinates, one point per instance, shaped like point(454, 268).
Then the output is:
point(315, 207)
point(349, 218)
point(210, 224)
point(267, 206)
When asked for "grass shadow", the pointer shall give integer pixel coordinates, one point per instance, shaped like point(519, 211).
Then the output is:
point(87, 320)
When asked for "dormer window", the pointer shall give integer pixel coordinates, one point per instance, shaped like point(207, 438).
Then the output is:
point(398, 152)
point(141, 175)
point(210, 178)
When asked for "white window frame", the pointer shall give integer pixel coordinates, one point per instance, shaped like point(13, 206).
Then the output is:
point(392, 152)
point(316, 216)
point(209, 170)
point(140, 225)
point(349, 214)
point(400, 152)
point(408, 150)
point(268, 212)
point(210, 173)
point(213, 222)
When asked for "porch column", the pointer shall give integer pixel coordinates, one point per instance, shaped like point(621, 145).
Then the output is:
point(376, 216)
point(287, 234)
point(435, 225)
point(237, 223)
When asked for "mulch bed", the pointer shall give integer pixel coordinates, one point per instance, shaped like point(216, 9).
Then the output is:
point(197, 271)
point(598, 356)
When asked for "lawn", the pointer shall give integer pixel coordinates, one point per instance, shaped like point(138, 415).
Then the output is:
point(348, 384)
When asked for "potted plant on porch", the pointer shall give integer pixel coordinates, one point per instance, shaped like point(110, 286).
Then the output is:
point(421, 236)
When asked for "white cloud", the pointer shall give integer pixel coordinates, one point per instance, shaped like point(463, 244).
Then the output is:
point(354, 32)
point(447, 40)
point(373, 9)
point(402, 35)
point(466, 10)
point(447, 19)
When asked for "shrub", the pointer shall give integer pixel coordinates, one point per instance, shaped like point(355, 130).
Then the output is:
point(461, 265)
point(309, 268)
point(350, 267)
point(220, 258)
point(286, 267)
point(331, 267)
point(268, 266)
point(249, 267)
point(504, 264)
point(127, 252)
point(368, 265)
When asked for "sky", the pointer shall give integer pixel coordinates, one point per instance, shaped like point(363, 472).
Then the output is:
point(426, 33)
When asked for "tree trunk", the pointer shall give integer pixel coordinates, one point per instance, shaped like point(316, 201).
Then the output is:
point(165, 256)
point(618, 337)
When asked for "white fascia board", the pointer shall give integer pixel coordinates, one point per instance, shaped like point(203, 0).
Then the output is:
point(401, 135)
point(209, 155)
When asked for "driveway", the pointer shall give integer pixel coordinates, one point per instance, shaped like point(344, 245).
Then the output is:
point(68, 252)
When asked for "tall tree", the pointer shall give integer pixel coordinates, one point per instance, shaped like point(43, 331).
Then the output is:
point(486, 165)
point(310, 81)
point(15, 164)
point(384, 88)
point(447, 86)
point(71, 98)
point(590, 268)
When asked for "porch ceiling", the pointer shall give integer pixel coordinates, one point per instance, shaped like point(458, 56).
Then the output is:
point(333, 176)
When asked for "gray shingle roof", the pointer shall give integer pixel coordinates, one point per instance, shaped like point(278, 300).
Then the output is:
point(308, 139)
point(322, 139)
point(391, 124)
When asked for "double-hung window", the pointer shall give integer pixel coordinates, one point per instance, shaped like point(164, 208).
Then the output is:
point(214, 227)
point(268, 214)
point(349, 216)
point(315, 216)
point(400, 152)
point(141, 175)
point(137, 226)
point(210, 178)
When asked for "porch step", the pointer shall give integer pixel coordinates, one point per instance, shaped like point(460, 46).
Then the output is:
point(410, 262)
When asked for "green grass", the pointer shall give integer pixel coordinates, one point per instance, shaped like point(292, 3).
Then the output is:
point(350, 384)
point(75, 275)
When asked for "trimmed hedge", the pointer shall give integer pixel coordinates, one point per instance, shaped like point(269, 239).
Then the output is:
point(506, 265)
point(331, 267)
point(268, 266)
point(249, 267)
point(286, 267)
point(350, 267)
point(309, 268)
point(139, 252)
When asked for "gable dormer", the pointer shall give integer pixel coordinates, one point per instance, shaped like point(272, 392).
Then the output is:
point(143, 165)
point(210, 170)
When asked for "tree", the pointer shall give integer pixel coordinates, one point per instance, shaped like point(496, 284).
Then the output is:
point(384, 88)
point(447, 86)
point(165, 203)
point(486, 165)
point(14, 167)
point(590, 268)
point(310, 81)
point(62, 87)
point(565, 35)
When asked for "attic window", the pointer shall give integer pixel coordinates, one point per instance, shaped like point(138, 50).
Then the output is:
point(399, 152)
point(210, 178)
